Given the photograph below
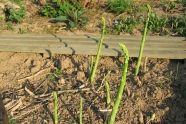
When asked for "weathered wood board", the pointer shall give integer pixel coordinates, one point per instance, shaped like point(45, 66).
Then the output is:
point(87, 44)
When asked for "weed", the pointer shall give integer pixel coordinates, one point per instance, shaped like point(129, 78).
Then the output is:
point(126, 25)
point(58, 72)
point(52, 78)
point(9, 26)
point(119, 6)
point(178, 25)
point(171, 6)
point(18, 2)
point(49, 11)
point(1, 19)
point(12, 121)
point(15, 14)
point(55, 75)
point(22, 31)
point(73, 19)
point(137, 8)
point(157, 24)
point(72, 13)
point(167, 74)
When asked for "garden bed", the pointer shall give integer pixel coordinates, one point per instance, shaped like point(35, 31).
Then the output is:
point(160, 91)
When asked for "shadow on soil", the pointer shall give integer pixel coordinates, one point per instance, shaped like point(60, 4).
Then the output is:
point(175, 104)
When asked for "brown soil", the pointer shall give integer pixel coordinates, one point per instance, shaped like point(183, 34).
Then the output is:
point(28, 79)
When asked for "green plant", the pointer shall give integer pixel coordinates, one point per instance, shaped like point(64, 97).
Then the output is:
point(81, 111)
point(122, 84)
point(55, 108)
point(157, 24)
point(143, 41)
point(22, 31)
point(18, 2)
point(58, 8)
point(9, 26)
point(119, 6)
point(167, 74)
point(15, 14)
point(12, 121)
point(107, 90)
point(72, 13)
point(94, 66)
point(1, 19)
point(58, 72)
point(171, 6)
point(49, 11)
point(136, 8)
point(126, 25)
point(178, 25)
point(73, 19)
point(55, 75)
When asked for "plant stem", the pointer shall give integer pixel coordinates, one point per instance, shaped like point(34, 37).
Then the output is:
point(81, 111)
point(143, 41)
point(55, 108)
point(98, 51)
point(107, 90)
point(122, 84)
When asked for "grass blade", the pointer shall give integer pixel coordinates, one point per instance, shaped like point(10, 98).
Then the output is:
point(143, 40)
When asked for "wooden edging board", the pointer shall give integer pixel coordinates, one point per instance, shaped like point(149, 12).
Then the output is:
point(87, 44)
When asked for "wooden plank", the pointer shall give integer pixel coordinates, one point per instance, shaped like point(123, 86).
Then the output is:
point(130, 45)
point(92, 51)
point(86, 44)
point(93, 38)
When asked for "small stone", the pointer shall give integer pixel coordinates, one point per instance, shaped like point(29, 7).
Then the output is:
point(61, 81)
point(80, 75)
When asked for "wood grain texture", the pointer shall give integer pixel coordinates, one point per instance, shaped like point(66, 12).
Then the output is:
point(86, 44)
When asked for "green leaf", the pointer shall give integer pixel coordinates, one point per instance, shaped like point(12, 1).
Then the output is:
point(73, 25)
point(61, 18)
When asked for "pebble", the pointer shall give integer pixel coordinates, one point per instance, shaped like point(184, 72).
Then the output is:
point(61, 81)
point(80, 75)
